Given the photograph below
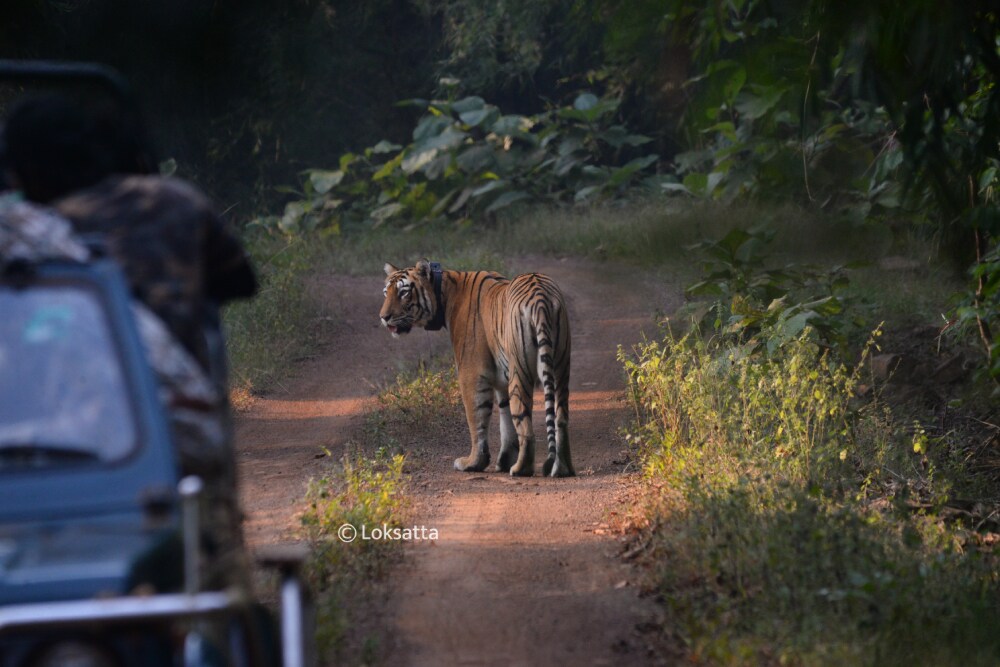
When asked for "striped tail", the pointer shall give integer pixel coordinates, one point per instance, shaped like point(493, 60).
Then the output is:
point(546, 361)
point(551, 337)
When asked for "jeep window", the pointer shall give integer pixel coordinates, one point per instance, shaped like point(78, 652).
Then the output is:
point(64, 399)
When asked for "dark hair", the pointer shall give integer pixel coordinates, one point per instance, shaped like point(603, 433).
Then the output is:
point(55, 146)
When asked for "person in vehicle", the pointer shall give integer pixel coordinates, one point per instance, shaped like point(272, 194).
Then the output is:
point(30, 233)
point(175, 278)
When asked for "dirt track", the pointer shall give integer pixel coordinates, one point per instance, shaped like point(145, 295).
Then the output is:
point(523, 572)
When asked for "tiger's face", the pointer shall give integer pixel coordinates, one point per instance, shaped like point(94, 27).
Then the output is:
point(409, 298)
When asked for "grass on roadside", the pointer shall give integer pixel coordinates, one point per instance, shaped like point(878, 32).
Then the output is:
point(266, 334)
point(362, 495)
point(792, 524)
point(368, 491)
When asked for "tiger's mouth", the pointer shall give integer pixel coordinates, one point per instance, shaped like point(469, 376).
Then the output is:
point(400, 328)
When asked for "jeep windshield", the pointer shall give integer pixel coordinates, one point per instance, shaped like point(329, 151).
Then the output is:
point(64, 398)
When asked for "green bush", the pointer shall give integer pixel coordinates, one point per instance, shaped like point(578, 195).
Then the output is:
point(792, 524)
point(765, 308)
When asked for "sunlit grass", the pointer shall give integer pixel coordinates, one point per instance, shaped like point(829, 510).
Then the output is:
point(367, 489)
point(792, 524)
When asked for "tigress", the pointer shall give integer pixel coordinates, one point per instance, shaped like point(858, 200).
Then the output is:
point(505, 333)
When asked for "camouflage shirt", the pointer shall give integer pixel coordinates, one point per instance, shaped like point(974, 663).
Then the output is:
point(178, 256)
point(30, 232)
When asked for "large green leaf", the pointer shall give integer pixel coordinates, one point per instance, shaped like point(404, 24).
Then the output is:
point(497, 184)
point(421, 153)
point(620, 175)
point(696, 183)
point(466, 104)
point(430, 126)
point(589, 114)
point(475, 158)
point(512, 125)
point(585, 102)
point(434, 169)
point(293, 215)
point(383, 213)
point(506, 199)
point(416, 161)
point(477, 117)
point(385, 147)
point(324, 181)
point(753, 105)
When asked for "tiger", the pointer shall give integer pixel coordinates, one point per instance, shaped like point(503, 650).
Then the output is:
point(505, 334)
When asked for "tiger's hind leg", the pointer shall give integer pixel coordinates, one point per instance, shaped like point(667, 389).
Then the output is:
point(478, 400)
point(520, 412)
point(508, 434)
point(563, 462)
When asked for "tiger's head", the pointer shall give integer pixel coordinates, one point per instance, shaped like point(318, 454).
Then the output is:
point(409, 298)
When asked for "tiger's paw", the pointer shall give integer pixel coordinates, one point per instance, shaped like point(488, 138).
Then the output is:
point(506, 459)
point(547, 466)
point(525, 470)
point(469, 464)
point(554, 467)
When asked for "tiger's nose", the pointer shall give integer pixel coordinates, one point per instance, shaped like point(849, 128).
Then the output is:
point(385, 320)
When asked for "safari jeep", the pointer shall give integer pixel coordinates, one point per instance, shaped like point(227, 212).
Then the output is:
point(101, 540)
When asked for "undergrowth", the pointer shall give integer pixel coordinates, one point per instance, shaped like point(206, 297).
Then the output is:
point(361, 495)
point(280, 324)
point(367, 490)
point(792, 523)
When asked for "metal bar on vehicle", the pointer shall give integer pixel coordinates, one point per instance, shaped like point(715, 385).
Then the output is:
point(292, 639)
point(133, 608)
point(61, 72)
point(189, 489)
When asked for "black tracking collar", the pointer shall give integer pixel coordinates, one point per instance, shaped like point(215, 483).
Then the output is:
point(438, 322)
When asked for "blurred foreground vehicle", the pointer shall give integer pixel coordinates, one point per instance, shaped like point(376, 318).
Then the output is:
point(101, 549)
point(108, 556)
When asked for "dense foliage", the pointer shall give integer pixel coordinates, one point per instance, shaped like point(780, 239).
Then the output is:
point(884, 113)
point(468, 159)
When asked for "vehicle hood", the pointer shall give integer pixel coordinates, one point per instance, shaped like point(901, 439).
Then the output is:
point(83, 559)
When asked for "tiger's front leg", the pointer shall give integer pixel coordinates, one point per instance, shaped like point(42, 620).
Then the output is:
point(477, 396)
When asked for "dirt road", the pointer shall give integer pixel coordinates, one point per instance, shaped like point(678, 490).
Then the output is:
point(524, 571)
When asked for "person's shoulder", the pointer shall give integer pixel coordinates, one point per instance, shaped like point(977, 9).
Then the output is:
point(162, 187)
point(138, 193)
point(31, 231)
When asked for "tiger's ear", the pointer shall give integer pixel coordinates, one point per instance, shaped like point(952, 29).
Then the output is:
point(389, 269)
point(424, 268)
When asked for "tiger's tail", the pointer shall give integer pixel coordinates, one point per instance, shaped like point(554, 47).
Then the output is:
point(552, 339)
